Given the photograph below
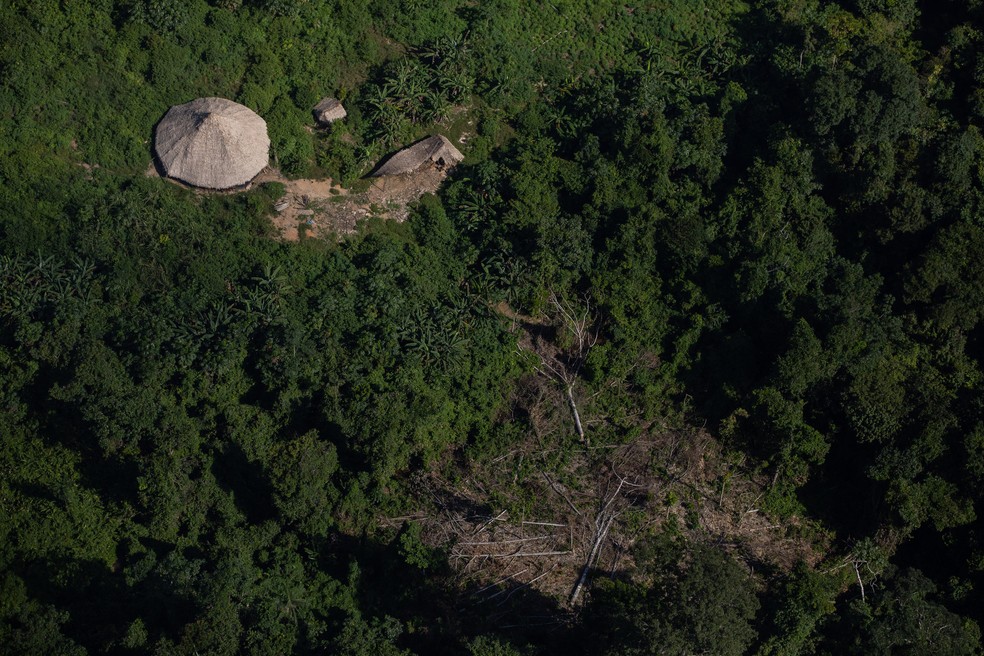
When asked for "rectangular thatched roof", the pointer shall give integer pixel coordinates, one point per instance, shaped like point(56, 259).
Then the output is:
point(432, 150)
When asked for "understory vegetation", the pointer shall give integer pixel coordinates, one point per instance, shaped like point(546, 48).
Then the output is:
point(684, 358)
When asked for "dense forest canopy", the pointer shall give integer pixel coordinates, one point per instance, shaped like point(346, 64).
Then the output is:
point(703, 309)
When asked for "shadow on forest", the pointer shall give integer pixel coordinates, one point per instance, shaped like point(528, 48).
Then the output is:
point(841, 494)
point(61, 424)
point(157, 586)
point(250, 486)
point(431, 601)
point(100, 603)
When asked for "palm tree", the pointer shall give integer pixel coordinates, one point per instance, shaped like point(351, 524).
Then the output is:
point(455, 81)
point(379, 97)
point(405, 80)
point(437, 108)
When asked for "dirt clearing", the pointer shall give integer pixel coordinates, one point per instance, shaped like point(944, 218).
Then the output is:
point(320, 207)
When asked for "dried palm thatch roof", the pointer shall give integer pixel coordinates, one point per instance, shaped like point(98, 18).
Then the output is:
point(212, 143)
point(436, 149)
point(328, 111)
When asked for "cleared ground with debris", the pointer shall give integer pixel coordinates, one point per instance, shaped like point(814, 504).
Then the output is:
point(555, 512)
point(322, 208)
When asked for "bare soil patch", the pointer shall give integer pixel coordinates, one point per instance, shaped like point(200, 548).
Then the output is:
point(304, 207)
point(322, 208)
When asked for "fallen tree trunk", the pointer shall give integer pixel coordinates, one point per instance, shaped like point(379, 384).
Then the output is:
point(600, 536)
point(577, 416)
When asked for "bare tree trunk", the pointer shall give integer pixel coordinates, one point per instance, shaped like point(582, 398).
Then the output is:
point(857, 571)
point(599, 540)
point(577, 416)
point(603, 522)
point(565, 370)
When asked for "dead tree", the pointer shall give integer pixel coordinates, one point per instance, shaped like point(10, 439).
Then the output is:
point(565, 367)
point(609, 510)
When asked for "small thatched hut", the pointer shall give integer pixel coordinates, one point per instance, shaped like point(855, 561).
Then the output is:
point(212, 143)
point(328, 111)
point(435, 150)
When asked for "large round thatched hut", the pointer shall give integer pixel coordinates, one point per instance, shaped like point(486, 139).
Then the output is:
point(212, 143)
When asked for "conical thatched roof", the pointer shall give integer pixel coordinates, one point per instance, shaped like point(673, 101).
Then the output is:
point(212, 143)
point(328, 111)
point(436, 149)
